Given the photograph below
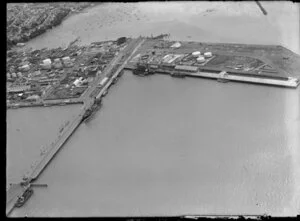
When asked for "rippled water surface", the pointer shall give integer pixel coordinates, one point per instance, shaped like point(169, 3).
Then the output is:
point(28, 129)
point(165, 146)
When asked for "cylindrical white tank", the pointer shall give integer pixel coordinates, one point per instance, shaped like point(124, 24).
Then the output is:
point(8, 75)
point(207, 54)
point(19, 74)
point(200, 59)
point(14, 75)
point(196, 53)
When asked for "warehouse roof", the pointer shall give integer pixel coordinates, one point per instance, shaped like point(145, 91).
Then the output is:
point(186, 67)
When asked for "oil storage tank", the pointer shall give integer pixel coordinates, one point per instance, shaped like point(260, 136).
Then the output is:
point(200, 59)
point(196, 53)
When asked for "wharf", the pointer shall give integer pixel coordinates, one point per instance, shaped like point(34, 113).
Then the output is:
point(12, 194)
point(45, 103)
point(290, 82)
point(17, 190)
point(258, 64)
point(62, 138)
point(55, 147)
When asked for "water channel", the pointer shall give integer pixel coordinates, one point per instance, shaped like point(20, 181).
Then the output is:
point(165, 146)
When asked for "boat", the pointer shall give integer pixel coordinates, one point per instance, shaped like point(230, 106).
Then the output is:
point(222, 80)
point(177, 74)
point(21, 200)
point(87, 114)
point(104, 93)
point(90, 112)
point(140, 70)
point(61, 129)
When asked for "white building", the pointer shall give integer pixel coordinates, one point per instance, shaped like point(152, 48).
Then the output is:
point(78, 82)
point(176, 45)
point(103, 81)
point(207, 54)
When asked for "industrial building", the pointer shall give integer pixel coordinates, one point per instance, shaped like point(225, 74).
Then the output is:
point(186, 68)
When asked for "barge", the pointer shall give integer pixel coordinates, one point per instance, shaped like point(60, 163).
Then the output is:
point(22, 199)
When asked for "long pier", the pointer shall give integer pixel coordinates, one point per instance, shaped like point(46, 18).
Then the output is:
point(291, 82)
point(55, 147)
point(17, 190)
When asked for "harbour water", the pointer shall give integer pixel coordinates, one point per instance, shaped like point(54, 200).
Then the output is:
point(241, 22)
point(28, 131)
point(165, 146)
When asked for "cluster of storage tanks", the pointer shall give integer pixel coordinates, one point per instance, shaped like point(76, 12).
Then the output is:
point(57, 63)
point(47, 64)
point(201, 58)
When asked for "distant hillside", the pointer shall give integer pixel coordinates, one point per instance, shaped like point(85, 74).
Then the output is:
point(28, 20)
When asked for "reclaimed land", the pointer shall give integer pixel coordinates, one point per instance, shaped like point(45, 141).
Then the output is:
point(57, 76)
point(28, 20)
point(31, 81)
point(258, 61)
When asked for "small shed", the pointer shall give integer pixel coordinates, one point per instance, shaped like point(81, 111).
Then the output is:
point(207, 54)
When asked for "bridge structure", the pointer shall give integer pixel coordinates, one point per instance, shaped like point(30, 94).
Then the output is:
point(15, 191)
